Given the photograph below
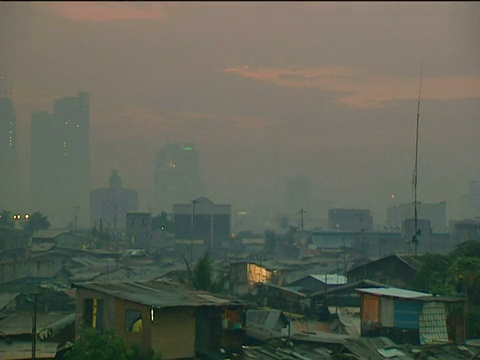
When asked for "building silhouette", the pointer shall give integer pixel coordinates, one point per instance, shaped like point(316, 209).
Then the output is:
point(202, 219)
point(60, 161)
point(436, 213)
point(470, 203)
point(138, 230)
point(110, 205)
point(350, 220)
point(9, 163)
point(177, 176)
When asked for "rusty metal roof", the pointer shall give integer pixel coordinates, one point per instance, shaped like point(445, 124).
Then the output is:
point(394, 292)
point(158, 293)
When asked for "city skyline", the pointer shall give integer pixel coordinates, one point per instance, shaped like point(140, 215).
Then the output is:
point(331, 96)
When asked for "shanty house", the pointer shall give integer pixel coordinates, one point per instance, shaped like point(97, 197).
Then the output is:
point(245, 275)
point(411, 316)
point(392, 270)
point(314, 282)
point(161, 316)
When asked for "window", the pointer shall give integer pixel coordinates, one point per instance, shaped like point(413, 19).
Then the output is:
point(133, 320)
point(93, 313)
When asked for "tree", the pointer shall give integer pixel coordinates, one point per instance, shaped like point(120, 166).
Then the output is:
point(6, 219)
point(202, 277)
point(37, 221)
point(456, 274)
point(93, 344)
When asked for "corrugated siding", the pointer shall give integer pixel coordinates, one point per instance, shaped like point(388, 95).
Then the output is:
point(387, 312)
point(433, 323)
point(407, 314)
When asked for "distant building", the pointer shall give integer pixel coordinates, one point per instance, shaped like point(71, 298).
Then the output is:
point(111, 205)
point(204, 220)
point(139, 230)
point(350, 220)
point(466, 230)
point(436, 213)
point(60, 161)
point(470, 203)
point(177, 175)
point(9, 164)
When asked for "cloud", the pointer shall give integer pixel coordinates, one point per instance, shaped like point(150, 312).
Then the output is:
point(106, 11)
point(365, 88)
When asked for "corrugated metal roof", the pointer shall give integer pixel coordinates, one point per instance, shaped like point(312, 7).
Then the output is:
point(7, 298)
point(159, 294)
point(23, 350)
point(330, 279)
point(394, 292)
point(21, 323)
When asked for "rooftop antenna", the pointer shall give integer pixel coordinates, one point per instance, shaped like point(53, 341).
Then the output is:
point(415, 171)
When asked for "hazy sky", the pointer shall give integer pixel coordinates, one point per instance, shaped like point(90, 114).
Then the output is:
point(267, 91)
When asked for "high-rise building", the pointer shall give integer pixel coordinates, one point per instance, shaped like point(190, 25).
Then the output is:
point(110, 205)
point(177, 176)
point(9, 164)
point(470, 203)
point(60, 173)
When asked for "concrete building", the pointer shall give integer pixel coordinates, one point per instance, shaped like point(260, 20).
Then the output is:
point(470, 203)
point(139, 230)
point(111, 204)
point(436, 213)
point(9, 163)
point(202, 219)
point(60, 161)
point(350, 220)
point(177, 175)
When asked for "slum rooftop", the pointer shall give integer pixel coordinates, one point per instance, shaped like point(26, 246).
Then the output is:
point(158, 293)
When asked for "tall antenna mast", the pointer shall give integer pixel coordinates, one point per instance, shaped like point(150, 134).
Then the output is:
point(415, 171)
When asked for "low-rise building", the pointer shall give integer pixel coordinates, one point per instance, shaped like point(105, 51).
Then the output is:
point(161, 316)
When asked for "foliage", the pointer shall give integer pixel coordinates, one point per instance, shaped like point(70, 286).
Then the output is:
point(162, 222)
point(37, 221)
point(6, 219)
point(202, 277)
point(432, 277)
point(93, 344)
point(455, 274)
point(466, 248)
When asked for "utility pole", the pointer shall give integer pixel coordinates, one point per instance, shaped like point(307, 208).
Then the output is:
point(76, 209)
point(34, 327)
point(415, 171)
point(301, 212)
point(193, 231)
point(114, 227)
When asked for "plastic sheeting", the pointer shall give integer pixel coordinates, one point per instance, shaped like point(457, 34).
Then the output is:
point(433, 323)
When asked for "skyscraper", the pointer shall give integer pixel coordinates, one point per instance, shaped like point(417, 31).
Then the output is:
point(177, 176)
point(60, 176)
point(9, 165)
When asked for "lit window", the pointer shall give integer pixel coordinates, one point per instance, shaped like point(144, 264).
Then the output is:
point(93, 313)
point(133, 320)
